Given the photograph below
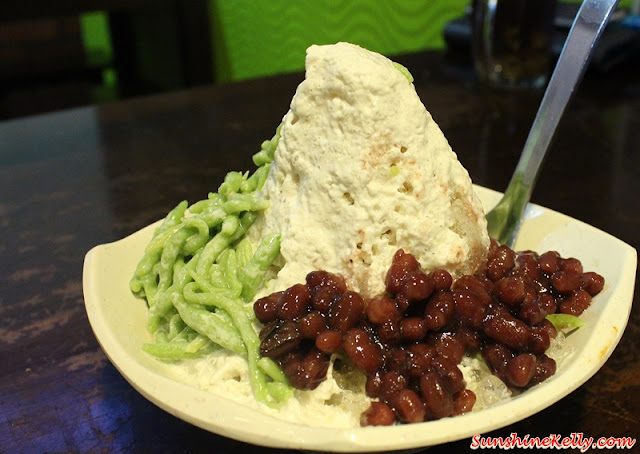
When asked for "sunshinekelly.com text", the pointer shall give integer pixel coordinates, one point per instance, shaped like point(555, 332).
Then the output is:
point(576, 440)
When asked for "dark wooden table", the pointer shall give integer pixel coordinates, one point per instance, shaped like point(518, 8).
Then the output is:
point(78, 178)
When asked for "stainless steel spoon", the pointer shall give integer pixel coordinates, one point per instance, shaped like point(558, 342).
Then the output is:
point(505, 218)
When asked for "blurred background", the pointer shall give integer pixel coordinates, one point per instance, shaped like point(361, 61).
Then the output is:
point(68, 53)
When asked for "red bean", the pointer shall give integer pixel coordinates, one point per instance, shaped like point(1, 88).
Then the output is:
point(474, 285)
point(547, 303)
point(311, 371)
point(442, 279)
point(450, 372)
point(378, 414)
point(497, 356)
point(416, 286)
point(266, 309)
point(322, 299)
point(419, 358)
point(439, 310)
point(500, 263)
point(591, 282)
point(408, 406)
point(401, 265)
point(373, 385)
point(346, 311)
point(463, 402)
point(364, 354)
point(422, 327)
point(576, 303)
point(549, 262)
point(396, 359)
point(571, 265)
point(509, 330)
point(565, 282)
point(381, 309)
point(545, 368)
point(527, 265)
point(329, 341)
point(390, 383)
point(449, 346)
point(469, 337)
point(412, 329)
point(521, 369)
point(540, 341)
point(436, 395)
point(312, 324)
point(283, 339)
point(389, 332)
point(469, 308)
point(510, 290)
point(531, 313)
point(548, 327)
point(295, 301)
point(320, 279)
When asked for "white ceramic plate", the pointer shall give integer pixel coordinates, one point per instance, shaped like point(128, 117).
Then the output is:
point(118, 321)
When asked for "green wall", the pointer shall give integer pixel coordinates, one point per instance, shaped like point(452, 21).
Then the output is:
point(262, 37)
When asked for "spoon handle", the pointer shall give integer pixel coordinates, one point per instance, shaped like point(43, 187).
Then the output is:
point(591, 19)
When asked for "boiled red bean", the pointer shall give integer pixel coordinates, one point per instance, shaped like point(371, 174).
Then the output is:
point(500, 262)
point(401, 265)
point(412, 329)
point(346, 311)
point(419, 358)
point(364, 354)
point(549, 262)
point(497, 356)
point(329, 341)
point(520, 369)
point(378, 414)
point(381, 309)
point(548, 327)
point(439, 310)
point(540, 340)
point(509, 330)
point(463, 402)
point(390, 383)
point(510, 290)
point(468, 308)
point(322, 299)
point(545, 368)
point(283, 339)
point(321, 279)
point(531, 313)
point(571, 265)
point(450, 372)
point(389, 332)
point(576, 303)
point(565, 282)
point(449, 346)
point(312, 324)
point(408, 406)
point(266, 309)
point(474, 285)
point(373, 385)
point(442, 279)
point(295, 301)
point(592, 282)
point(436, 395)
point(416, 286)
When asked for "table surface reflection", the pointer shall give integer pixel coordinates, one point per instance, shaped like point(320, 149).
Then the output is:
point(74, 179)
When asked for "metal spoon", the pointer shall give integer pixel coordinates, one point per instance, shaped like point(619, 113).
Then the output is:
point(505, 218)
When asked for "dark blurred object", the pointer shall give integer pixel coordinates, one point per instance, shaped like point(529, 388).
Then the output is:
point(618, 46)
point(511, 42)
point(157, 46)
